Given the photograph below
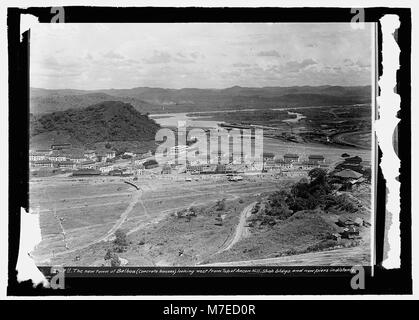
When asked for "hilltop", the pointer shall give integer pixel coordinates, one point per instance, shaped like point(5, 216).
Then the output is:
point(103, 122)
point(160, 100)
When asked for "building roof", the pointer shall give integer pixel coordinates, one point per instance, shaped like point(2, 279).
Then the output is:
point(316, 156)
point(42, 162)
point(61, 144)
point(65, 163)
point(271, 162)
point(116, 171)
point(75, 156)
point(88, 162)
point(101, 154)
point(268, 155)
point(86, 172)
point(102, 165)
point(57, 153)
point(348, 173)
point(37, 153)
point(291, 155)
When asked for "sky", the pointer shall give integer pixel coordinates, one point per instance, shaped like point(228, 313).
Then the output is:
point(199, 55)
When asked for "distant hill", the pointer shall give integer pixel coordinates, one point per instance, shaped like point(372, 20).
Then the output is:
point(105, 121)
point(159, 100)
point(45, 101)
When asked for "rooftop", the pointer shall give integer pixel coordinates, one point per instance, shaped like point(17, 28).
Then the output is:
point(65, 162)
point(348, 173)
point(268, 155)
point(58, 153)
point(42, 162)
point(88, 162)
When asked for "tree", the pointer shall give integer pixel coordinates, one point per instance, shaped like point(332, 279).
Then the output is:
point(121, 242)
point(367, 174)
point(220, 205)
point(115, 262)
point(113, 257)
point(300, 190)
point(109, 254)
point(317, 174)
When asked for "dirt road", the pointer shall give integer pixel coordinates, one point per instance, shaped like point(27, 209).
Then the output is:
point(241, 229)
point(338, 257)
point(136, 197)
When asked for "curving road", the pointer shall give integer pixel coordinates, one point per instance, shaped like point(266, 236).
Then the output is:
point(241, 229)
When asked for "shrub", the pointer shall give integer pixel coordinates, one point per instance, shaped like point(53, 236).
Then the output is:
point(115, 261)
point(220, 205)
point(150, 162)
point(367, 174)
point(120, 241)
point(113, 257)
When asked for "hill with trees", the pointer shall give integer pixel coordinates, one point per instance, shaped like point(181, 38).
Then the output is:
point(102, 122)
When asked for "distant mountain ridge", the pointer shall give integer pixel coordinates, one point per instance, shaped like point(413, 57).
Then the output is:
point(102, 122)
point(45, 102)
point(160, 100)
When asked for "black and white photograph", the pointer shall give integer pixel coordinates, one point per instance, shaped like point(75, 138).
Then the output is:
point(202, 144)
point(209, 151)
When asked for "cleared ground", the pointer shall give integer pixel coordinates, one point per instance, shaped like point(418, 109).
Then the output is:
point(77, 213)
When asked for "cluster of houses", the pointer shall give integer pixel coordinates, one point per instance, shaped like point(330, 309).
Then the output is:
point(102, 162)
point(64, 157)
point(269, 162)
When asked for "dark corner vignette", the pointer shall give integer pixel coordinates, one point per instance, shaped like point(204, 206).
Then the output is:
point(384, 281)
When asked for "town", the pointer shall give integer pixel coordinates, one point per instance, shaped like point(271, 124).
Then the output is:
point(62, 159)
point(213, 153)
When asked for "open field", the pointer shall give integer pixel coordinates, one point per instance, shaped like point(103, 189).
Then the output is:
point(157, 237)
point(73, 210)
point(76, 213)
